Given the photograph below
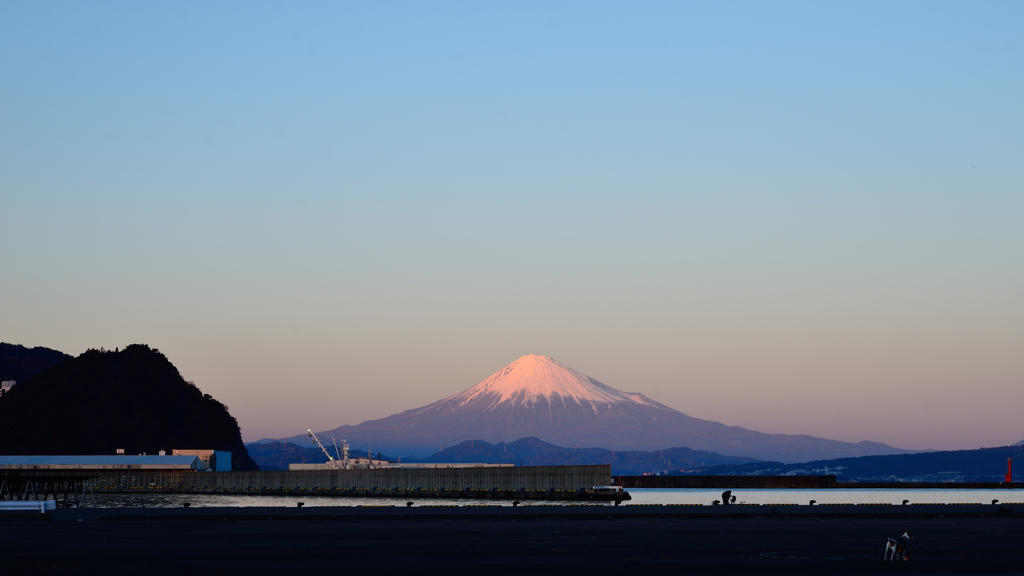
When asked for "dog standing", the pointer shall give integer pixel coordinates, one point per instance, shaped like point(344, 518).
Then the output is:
point(898, 547)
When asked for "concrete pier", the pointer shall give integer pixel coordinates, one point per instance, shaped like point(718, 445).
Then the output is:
point(564, 540)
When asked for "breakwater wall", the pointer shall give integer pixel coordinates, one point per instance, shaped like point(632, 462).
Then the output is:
point(513, 479)
point(933, 485)
point(805, 482)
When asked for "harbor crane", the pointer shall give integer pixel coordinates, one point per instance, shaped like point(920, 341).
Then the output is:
point(342, 458)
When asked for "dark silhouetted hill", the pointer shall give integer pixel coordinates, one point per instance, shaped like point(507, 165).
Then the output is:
point(981, 465)
point(535, 452)
point(104, 400)
point(19, 363)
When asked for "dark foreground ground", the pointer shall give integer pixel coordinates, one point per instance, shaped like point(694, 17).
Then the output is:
point(393, 542)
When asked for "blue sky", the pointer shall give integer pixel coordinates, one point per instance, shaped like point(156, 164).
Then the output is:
point(335, 211)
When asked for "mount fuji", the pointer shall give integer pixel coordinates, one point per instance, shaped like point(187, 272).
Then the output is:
point(538, 396)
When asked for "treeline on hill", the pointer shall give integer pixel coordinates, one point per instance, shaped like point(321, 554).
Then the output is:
point(133, 399)
point(18, 363)
point(981, 465)
point(525, 451)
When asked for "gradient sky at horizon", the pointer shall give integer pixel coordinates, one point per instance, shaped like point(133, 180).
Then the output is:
point(796, 217)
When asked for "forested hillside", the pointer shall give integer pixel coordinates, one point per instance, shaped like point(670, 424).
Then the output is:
point(133, 399)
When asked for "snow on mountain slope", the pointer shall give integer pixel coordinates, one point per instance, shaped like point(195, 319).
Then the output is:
point(540, 397)
point(533, 378)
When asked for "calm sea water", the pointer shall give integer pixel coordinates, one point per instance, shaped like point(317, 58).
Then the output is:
point(639, 495)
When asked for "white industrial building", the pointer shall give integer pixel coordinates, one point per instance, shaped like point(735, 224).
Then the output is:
point(366, 463)
point(101, 463)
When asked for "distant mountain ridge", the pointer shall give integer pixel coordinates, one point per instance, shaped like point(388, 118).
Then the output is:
point(981, 465)
point(535, 452)
point(278, 455)
point(525, 451)
point(540, 397)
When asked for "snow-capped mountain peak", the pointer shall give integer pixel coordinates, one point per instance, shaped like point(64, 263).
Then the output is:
point(533, 377)
point(540, 397)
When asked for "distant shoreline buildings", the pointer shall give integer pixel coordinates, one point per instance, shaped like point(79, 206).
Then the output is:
point(6, 386)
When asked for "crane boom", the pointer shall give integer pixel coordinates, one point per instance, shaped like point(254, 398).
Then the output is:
point(331, 459)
